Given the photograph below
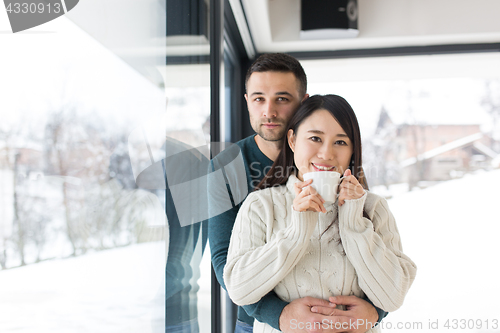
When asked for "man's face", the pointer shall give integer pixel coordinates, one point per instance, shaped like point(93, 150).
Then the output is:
point(272, 98)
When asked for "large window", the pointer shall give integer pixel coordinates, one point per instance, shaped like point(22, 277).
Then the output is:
point(82, 245)
point(102, 117)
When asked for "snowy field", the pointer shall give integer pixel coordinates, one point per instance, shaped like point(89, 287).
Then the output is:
point(451, 231)
point(114, 291)
point(119, 290)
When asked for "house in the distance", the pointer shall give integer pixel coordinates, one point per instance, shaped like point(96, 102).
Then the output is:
point(431, 152)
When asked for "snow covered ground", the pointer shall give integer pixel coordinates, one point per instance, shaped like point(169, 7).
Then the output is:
point(114, 291)
point(119, 290)
point(451, 231)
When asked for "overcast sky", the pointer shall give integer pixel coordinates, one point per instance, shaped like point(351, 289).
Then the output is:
point(57, 63)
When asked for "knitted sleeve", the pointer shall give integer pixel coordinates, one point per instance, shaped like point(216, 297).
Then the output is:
point(259, 259)
point(374, 248)
point(269, 308)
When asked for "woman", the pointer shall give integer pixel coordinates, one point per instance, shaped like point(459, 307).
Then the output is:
point(288, 239)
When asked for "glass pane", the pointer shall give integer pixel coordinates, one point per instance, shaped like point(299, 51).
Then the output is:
point(229, 95)
point(96, 106)
point(187, 128)
point(188, 285)
point(82, 245)
point(229, 309)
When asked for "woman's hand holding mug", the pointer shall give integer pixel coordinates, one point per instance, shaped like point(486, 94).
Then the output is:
point(307, 198)
point(350, 188)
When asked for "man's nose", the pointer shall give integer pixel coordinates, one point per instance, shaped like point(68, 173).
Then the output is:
point(270, 110)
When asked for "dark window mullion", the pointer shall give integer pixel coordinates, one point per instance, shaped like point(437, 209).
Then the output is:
point(216, 23)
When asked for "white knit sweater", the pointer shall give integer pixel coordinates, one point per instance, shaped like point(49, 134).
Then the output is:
point(275, 247)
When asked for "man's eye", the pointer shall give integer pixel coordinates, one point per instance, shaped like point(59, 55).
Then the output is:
point(259, 99)
point(282, 99)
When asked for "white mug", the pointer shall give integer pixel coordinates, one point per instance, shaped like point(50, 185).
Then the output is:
point(326, 183)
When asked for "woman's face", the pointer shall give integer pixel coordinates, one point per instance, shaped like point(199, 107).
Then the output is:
point(320, 144)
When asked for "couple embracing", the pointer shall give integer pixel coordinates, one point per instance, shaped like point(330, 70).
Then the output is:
point(287, 257)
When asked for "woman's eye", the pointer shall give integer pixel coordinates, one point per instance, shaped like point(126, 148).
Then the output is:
point(315, 139)
point(341, 142)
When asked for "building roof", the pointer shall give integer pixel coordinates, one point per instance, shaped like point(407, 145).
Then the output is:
point(442, 149)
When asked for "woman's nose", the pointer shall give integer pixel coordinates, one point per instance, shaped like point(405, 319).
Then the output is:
point(326, 152)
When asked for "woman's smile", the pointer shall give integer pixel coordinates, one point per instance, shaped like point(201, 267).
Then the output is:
point(323, 167)
point(320, 144)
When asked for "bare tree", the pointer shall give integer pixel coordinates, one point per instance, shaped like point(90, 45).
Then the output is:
point(3, 253)
point(76, 152)
point(491, 103)
point(18, 237)
point(415, 131)
point(29, 217)
point(380, 151)
point(36, 218)
point(19, 227)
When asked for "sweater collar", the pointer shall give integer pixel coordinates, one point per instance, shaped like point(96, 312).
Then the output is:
point(290, 184)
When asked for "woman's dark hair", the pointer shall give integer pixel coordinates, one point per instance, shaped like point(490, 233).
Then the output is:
point(279, 62)
point(343, 114)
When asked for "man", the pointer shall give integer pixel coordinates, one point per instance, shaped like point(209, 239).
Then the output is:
point(275, 87)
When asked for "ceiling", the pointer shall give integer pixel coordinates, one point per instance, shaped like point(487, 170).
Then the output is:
point(274, 25)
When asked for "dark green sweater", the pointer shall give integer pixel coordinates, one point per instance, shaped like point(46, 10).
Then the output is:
point(256, 165)
point(182, 165)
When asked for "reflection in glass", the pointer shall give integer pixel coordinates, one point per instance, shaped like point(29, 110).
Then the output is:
point(81, 245)
point(184, 170)
point(185, 165)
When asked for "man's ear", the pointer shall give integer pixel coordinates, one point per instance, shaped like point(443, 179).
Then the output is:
point(306, 96)
point(291, 140)
point(246, 98)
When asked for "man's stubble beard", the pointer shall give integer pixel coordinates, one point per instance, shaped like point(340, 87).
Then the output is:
point(274, 136)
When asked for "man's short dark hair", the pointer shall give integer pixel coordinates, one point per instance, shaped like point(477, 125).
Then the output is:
point(279, 62)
